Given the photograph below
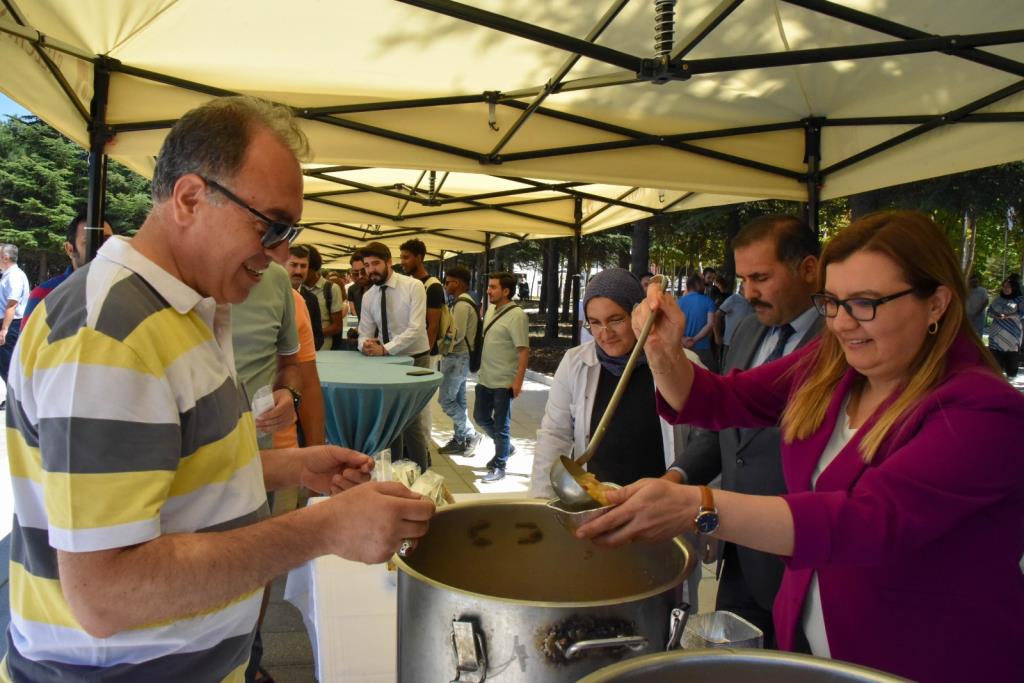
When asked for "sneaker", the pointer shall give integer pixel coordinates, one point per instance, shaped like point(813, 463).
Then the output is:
point(494, 474)
point(453, 447)
point(470, 444)
point(511, 450)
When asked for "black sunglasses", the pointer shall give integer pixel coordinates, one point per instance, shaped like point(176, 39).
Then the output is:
point(277, 231)
point(858, 307)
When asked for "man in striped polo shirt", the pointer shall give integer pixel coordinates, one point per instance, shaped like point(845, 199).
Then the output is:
point(140, 543)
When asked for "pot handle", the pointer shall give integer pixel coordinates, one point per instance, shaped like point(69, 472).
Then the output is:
point(634, 643)
point(676, 625)
point(470, 655)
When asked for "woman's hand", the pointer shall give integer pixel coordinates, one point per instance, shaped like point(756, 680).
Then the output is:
point(672, 370)
point(665, 341)
point(647, 510)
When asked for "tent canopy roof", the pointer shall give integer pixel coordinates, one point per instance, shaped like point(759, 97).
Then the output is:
point(539, 119)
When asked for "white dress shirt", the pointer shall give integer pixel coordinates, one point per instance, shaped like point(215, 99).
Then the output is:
point(407, 316)
point(800, 324)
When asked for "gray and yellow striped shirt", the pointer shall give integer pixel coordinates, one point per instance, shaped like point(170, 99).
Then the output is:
point(125, 422)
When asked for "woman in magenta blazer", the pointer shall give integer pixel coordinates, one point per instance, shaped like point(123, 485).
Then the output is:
point(904, 526)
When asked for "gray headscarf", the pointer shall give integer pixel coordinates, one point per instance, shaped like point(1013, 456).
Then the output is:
point(617, 284)
point(622, 287)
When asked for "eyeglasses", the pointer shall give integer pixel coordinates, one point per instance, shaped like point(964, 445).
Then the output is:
point(859, 308)
point(357, 273)
point(613, 324)
point(277, 231)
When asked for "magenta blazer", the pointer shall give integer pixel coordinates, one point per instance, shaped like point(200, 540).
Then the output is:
point(917, 553)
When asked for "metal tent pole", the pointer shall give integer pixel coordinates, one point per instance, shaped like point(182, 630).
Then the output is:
point(574, 267)
point(99, 134)
point(812, 157)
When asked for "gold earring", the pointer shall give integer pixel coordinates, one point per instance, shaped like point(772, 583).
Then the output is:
point(934, 327)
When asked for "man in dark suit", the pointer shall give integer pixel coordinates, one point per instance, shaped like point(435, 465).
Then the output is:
point(777, 258)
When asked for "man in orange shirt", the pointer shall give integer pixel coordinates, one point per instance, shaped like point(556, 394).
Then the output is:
point(311, 408)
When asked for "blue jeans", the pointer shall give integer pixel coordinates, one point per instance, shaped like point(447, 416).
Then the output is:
point(452, 395)
point(493, 414)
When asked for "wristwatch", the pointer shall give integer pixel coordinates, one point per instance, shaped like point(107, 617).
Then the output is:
point(707, 514)
point(296, 395)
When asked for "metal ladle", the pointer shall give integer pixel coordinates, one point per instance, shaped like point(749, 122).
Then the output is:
point(566, 473)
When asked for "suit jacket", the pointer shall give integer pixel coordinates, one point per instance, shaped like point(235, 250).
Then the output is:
point(891, 540)
point(747, 459)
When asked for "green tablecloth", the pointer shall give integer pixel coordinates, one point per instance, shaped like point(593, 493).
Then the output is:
point(369, 402)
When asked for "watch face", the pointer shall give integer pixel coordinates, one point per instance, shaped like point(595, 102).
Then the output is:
point(707, 522)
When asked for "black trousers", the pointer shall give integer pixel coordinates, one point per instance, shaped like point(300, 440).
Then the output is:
point(1009, 361)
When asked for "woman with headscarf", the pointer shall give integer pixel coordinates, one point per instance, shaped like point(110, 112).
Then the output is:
point(637, 443)
point(901, 452)
point(1006, 331)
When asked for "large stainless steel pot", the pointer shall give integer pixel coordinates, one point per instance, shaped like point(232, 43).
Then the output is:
point(500, 590)
point(707, 666)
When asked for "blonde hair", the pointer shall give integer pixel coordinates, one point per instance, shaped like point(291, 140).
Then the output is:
point(920, 248)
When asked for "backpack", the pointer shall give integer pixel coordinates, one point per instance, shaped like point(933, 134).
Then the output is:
point(476, 344)
point(445, 326)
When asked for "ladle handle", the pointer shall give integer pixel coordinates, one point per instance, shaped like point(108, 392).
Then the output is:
point(620, 388)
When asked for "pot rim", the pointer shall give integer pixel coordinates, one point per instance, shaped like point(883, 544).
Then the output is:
point(685, 547)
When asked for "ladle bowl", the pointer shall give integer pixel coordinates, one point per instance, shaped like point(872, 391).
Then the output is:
point(565, 480)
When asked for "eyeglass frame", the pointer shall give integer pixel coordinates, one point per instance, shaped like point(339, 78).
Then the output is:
point(617, 324)
point(821, 298)
point(276, 232)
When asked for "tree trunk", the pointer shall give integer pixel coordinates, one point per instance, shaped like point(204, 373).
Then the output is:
point(551, 291)
point(545, 268)
point(732, 228)
point(640, 252)
point(44, 266)
point(970, 238)
point(567, 285)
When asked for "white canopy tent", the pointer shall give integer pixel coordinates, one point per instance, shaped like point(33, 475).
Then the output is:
point(473, 126)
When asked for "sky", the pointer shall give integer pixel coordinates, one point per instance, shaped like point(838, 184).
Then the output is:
point(9, 107)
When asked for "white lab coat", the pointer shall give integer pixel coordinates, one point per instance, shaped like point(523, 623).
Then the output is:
point(565, 428)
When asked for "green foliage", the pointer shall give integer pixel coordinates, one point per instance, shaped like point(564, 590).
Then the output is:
point(44, 183)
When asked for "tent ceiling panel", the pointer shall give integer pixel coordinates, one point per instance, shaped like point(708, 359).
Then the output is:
point(415, 85)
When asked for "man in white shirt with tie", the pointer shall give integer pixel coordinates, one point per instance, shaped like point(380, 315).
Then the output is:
point(777, 259)
point(391, 324)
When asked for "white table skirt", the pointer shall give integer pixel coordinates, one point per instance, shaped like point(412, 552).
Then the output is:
point(350, 611)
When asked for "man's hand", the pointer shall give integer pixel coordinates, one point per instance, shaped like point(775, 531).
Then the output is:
point(280, 416)
point(373, 347)
point(688, 343)
point(648, 510)
point(331, 469)
point(3, 337)
point(368, 523)
point(517, 387)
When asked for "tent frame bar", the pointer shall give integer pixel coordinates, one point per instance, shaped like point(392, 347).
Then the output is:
point(898, 30)
point(562, 72)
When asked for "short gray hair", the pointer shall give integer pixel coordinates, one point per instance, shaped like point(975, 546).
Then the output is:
point(212, 139)
point(10, 251)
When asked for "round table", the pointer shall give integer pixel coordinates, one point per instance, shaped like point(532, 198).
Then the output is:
point(368, 402)
point(350, 357)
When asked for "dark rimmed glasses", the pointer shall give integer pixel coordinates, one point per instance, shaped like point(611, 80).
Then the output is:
point(277, 231)
point(859, 308)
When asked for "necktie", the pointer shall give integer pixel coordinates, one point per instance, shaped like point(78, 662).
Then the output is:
point(785, 332)
point(384, 334)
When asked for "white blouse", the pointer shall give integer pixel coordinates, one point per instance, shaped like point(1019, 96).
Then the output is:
point(813, 619)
